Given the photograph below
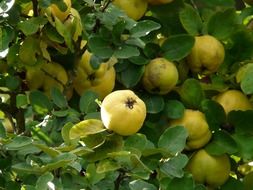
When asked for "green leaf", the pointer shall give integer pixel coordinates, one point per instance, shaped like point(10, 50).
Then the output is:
point(112, 143)
point(32, 25)
point(65, 33)
point(88, 103)
point(58, 98)
point(234, 184)
point(191, 93)
point(7, 35)
point(214, 113)
point(29, 51)
point(21, 100)
point(137, 141)
point(126, 51)
point(191, 20)
point(40, 102)
point(18, 143)
point(131, 76)
point(141, 184)
point(177, 47)
point(100, 47)
point(26, 168)
point(81, 151)
point(247, 81)
point(184, 183)
point(199, 187)
point(52, 34)
point(2, 130)
point(174, 166)
point(139, 60)
point(143, 28)
point(48, 150)
point(42, 182)
point(222, 24)
point(85, 128)
point(245, 148)
point(65, 132)
point(107, 165)
point(95, 61)
point(221, 143)
point(12, 82)
point(174, 109)
point(173, 139)
point(60, 161)
point(92, 175)
point(154, 103)
point(242, 121)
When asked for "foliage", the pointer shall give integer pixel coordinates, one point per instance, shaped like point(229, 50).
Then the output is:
point(56, 139)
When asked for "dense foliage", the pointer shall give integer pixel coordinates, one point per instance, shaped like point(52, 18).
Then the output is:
point(60, 59)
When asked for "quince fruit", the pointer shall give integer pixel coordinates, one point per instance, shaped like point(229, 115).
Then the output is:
point(101, 80)
point(160, 76)
point(233, 100)
point(206, 55)
point(135, 9)
point(46, 76)
point(208, 169)
point(199, 133)
point(123, 112)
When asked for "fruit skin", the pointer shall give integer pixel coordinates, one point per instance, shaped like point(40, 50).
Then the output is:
point(208, 169)
point(46, 76)
point(123, 112)
point(101, 81)
point(206, 55)
point(198, 130)
point(159, 2)
point(160, 76)
point(233, 100)
point(61, 15)
point(135, 9)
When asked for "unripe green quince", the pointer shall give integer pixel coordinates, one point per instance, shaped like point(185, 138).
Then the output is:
point(198, 130)
point(206, 55)
point(207, 169)
point(135, 9)
point(233, 100)
point(160, 76)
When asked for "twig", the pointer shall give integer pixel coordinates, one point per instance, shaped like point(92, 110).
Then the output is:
point(35, 8)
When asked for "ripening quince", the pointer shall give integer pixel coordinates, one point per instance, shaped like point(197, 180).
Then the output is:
point(123, 112)
point(207, 169)
point(56, 12)
point(46, 76)
point(160, 76)
point(135, 9)
point(233, 100)
point(101, 80)
point(74, 24)
point(159, 2)
point(206, 55)
point(199, 133)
